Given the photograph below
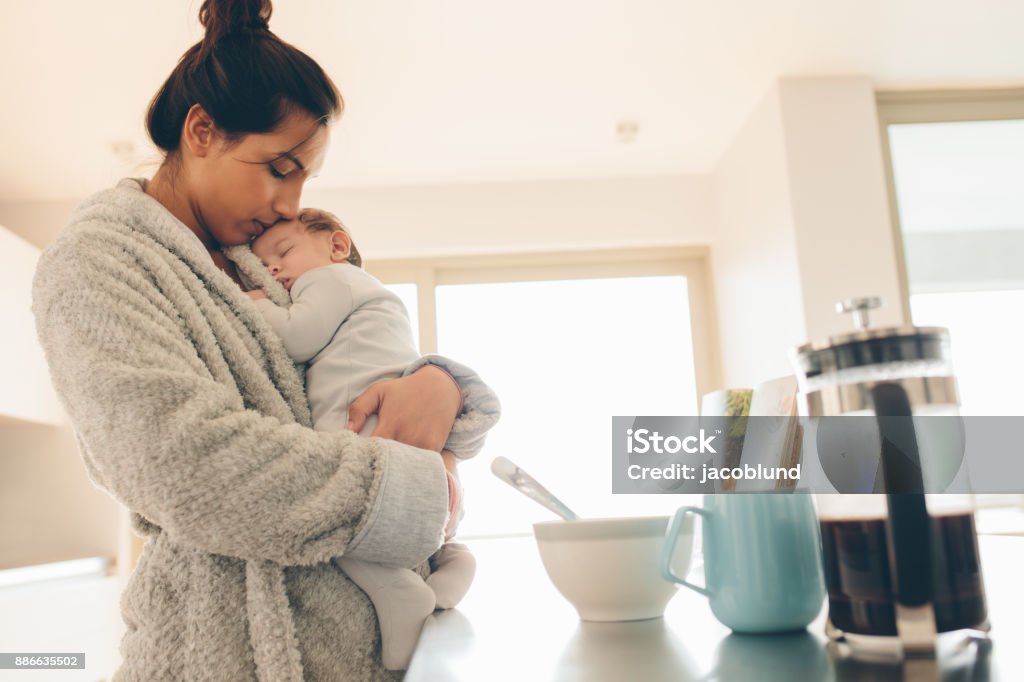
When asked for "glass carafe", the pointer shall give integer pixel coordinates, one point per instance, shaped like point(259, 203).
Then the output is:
point(901, 558)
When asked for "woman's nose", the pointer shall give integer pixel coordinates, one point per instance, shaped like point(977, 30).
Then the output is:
point(286, 203)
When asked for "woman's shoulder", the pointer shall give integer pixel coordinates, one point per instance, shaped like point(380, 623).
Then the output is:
point(102, 235)
point(121, 222)
point(102, 212)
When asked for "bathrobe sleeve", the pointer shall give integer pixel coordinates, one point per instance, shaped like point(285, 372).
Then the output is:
point(163, 389)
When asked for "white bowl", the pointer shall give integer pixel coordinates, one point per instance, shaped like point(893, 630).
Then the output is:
point(609, 568)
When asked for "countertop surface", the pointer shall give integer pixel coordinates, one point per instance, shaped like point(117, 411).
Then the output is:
point(514, 625)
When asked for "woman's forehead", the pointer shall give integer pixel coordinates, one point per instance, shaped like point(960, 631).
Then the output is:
point(300, 137)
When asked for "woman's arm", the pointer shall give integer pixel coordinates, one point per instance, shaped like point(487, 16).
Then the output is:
point(438, 403)
point(168, 430)
point(418, 409)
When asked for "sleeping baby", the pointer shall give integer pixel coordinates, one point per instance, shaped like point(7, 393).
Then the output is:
point(352, 332)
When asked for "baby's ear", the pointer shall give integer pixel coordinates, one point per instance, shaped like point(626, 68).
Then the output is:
point(341, 245)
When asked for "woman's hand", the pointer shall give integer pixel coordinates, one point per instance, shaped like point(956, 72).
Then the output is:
point(418, 409)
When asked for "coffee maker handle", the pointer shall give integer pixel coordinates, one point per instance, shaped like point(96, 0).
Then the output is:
point(909, 526)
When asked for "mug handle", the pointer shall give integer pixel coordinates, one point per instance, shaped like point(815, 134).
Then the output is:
point(669, 549)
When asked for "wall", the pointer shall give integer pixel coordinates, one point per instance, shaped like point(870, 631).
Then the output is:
point(803, 221)
point(25, 392)
point(37, 222)
point(482, 217)
point(844, 232)
point(754, 258)
point(524, 216)
point(49, 510)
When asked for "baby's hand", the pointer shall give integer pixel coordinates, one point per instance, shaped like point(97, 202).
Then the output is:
point(256, 294)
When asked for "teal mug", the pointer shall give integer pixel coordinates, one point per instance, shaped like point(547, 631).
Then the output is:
point(762, 560)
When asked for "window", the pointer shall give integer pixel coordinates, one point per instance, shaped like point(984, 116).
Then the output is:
point(956, 166)
point(567, 346)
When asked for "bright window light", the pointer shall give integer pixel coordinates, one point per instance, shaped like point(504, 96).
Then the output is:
point(564, 357)
point(986, 346)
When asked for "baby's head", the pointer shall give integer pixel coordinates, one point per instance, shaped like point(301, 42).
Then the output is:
point(315, 239)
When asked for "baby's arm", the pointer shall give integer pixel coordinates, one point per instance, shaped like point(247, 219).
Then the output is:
point(321, 302)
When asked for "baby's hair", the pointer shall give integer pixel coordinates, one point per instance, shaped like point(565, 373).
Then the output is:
point(318, 220)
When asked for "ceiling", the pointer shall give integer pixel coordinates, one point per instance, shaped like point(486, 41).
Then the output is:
point(470, 90)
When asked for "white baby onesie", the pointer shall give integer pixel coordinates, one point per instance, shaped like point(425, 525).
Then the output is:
point(351, 331)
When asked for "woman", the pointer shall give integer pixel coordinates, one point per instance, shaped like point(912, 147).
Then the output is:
point(189, 411)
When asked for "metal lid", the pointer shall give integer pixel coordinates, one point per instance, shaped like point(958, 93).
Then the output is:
point(865, 347)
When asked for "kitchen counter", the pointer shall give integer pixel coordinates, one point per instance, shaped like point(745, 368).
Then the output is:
point(514, 625)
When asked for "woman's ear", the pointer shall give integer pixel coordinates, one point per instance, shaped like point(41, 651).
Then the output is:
point(199, 132)
point(341, 245)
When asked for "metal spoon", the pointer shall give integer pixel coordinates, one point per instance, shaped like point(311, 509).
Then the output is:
point(509, 472)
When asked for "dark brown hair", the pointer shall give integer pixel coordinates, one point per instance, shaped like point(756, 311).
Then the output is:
point(245, 77)
point(318, 220)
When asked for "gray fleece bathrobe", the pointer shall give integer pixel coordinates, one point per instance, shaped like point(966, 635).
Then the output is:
point(189, 412)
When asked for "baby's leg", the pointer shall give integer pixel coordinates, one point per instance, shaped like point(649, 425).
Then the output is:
point(454, 567)
point(402, 602)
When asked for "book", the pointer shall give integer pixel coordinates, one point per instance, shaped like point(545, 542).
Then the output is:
point(774, 437)
point(734, 405)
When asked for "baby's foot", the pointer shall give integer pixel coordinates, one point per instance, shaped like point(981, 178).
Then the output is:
point(454, 569)
point(401, 621)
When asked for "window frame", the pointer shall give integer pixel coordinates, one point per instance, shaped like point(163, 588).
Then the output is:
point(934, 106)
point(691, 262)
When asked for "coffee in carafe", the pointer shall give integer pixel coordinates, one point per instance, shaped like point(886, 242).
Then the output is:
point(898, 563)
point(861, 594)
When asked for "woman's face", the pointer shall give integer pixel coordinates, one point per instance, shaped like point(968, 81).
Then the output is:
point(239, 190)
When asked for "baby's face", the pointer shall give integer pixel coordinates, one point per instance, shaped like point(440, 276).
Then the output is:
point(289, 250)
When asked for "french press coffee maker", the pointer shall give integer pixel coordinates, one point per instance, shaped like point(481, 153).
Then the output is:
point(901, 562)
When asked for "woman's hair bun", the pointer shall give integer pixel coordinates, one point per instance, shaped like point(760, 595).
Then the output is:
point(224, 17)
point(245, 77)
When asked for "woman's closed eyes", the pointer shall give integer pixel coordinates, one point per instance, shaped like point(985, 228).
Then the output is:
point(283, 166)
